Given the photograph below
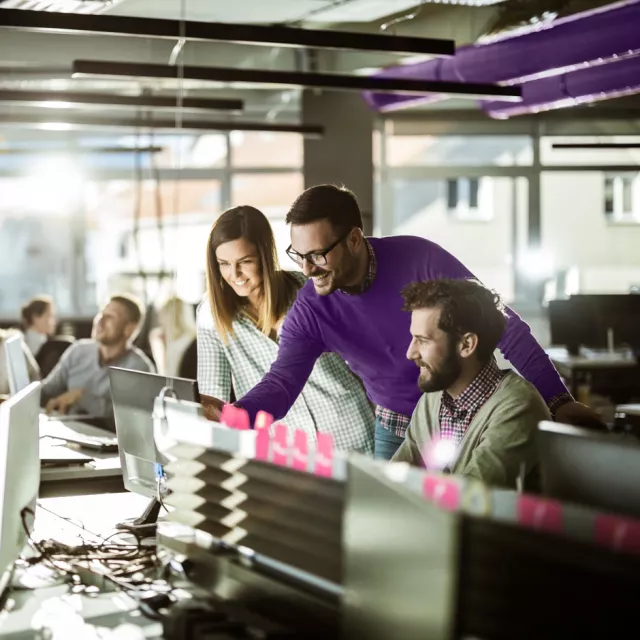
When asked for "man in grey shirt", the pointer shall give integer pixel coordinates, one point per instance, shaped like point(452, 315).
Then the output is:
point(80, 381)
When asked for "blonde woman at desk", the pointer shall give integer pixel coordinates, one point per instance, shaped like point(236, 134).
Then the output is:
point(239, 326)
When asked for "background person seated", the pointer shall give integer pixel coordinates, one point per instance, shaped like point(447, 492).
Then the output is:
point(489, 416)
point(174, 335)
point(80, 381)
point(39, 320)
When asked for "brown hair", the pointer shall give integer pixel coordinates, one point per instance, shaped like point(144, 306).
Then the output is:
point(132, 307)
point(35, 308)
point(278, 287)
point(466, 306)
point(337, 204)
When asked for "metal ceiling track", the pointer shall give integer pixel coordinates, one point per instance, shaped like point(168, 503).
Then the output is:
point(84, 68)
point(25, 151)
point(596, 145)
point(140, 124)
point(74, 99)
point(272, 35)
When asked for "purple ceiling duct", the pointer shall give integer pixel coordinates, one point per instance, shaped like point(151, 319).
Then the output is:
point(571, 89)
point(582, 40)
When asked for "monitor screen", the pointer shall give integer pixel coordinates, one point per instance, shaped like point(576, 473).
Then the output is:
point(596, 469)
point(19, 473)
point(17, 369)
point(133, 394)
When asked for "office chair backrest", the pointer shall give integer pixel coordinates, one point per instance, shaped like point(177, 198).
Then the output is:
point(189, 363)
point(51, 352)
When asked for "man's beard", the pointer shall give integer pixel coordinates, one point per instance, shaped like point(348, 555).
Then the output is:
point(444, 376)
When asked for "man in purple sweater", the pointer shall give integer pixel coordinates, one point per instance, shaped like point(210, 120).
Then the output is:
point(352, 306)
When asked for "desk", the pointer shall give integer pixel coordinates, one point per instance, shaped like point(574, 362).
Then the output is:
point(102, 476)
point(614, 377)
point(110, 614)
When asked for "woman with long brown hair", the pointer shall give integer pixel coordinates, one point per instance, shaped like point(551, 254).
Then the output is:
point(248, 297)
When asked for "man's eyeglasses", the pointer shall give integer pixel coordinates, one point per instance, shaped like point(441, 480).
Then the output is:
point(316, 258)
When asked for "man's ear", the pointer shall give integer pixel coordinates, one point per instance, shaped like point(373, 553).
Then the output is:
point(355, 238)
point(468, 345)
point(129, 329)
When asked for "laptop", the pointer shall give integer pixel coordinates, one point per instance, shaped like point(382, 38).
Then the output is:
point(17, 369)
point(19, 474)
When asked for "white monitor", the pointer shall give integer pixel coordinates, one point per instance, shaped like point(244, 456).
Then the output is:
point(17, 369)
point(19, 474)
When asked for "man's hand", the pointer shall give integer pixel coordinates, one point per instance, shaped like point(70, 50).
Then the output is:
point(212, 407)
point(580, 415)
point(63, 403)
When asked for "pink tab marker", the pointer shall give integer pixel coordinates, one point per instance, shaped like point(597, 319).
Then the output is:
point(619, 534)
point(300, 450)
point(227, 417)
point(444, 492)
point(241, 419)
point(263, 440)
point(280, 445)
point(263, 420)
point(543, 515)
point(324, 455)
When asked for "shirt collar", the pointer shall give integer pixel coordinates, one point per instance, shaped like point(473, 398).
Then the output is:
point(372, 271)
point(478, 391)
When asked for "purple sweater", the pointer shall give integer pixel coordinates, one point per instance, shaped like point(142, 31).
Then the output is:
point(371, 333)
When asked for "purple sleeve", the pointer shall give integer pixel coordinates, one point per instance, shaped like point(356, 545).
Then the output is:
point(518, 346)
point(300, 347)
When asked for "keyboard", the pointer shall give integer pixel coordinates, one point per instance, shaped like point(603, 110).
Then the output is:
point(71, 432)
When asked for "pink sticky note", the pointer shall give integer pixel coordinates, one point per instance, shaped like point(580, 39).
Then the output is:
point(228, 415)
point(300, 450)
point(263, 439)
point(263, 420)
point(324, 455)
point(538, 513)
point(443, 491)
point(241, 419)
point(280, 445)
point(619, 534)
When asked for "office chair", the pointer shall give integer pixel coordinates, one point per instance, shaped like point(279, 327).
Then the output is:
point(51, 352)
point(189, 363)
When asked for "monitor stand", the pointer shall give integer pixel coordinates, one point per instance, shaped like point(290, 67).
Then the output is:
point(146, 523)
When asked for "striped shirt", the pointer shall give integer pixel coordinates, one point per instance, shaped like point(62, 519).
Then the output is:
point(333, 400)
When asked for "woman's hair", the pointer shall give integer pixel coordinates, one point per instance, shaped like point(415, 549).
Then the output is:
point(278, 287)
point(176, 318)
point(35, 308)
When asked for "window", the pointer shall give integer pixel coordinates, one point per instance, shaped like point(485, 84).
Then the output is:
point(468, 198)
point(622, 197)
point(449, 150)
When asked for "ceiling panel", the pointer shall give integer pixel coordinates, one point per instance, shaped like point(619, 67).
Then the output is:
point(258, 11)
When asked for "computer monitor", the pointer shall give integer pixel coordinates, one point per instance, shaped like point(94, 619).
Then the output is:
point(599, 470)
point(17, 369)
point(587, 320)
point(133, 394)
point(19, 474)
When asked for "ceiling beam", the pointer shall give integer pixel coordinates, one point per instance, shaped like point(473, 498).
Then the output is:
point(19, 151)
point(140, 124)
point(89, 68)
point(596, 145)
point(73, 99)
point(272, 35)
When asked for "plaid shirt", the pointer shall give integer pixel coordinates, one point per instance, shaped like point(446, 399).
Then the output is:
point(456, 415)
point(372, 270)
point(332, 401)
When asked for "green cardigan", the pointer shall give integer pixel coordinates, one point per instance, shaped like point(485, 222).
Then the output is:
point(501, 436)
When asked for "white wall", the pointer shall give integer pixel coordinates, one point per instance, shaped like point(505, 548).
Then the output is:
point(576, 233)
point(485, 247)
